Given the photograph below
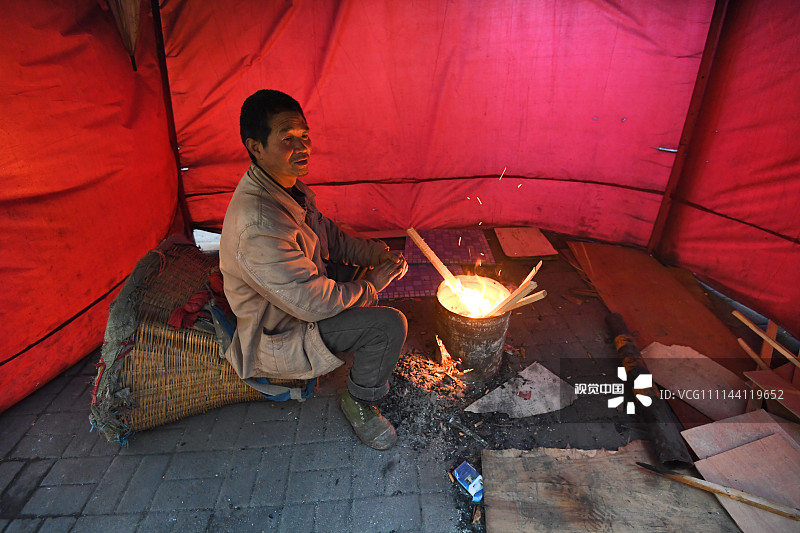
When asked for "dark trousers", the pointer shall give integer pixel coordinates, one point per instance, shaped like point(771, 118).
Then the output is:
point(375, 335)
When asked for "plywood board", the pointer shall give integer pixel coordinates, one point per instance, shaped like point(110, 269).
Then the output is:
point(590, 490)
point(707, 386)
point(524, 242)
point(534, 391)
point(452, 247)
point(769, 468)
point(739, 430)
point(655, 306)
point(785, 393)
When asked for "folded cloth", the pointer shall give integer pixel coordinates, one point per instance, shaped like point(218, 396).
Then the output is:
point(216, 285)
point(186, 315)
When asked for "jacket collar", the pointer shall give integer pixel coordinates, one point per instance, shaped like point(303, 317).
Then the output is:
point(265, 181)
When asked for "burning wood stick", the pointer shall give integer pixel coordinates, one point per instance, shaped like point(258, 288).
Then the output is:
point(532, 273)
point(530, 299)
point(525, 284)
point(734, 494)
point(506, 305)
point(435, 261)
point(775, 344)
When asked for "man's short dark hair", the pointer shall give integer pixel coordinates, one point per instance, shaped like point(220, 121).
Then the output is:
point(257, 111)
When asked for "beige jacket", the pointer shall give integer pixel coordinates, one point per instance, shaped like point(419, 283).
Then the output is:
point(271, 258)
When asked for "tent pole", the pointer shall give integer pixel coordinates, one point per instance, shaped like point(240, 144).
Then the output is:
point(675, 175)
point(181, 220)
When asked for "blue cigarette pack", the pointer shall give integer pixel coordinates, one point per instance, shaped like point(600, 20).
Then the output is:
point(471, 480)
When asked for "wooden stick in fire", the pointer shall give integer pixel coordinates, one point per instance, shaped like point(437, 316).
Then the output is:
point(521, 292)
point(435, 261)
point(529, 299)
point(514, 297)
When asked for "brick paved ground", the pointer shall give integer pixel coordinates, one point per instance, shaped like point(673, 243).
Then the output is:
point(257, 466)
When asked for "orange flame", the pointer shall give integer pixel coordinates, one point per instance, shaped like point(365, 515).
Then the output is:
point(473, 296)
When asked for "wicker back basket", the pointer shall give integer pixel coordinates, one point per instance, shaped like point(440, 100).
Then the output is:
point(151, 373)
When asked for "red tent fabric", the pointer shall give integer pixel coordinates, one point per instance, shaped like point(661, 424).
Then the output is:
point(415, 110)
point(89, 181)
point(735, 221)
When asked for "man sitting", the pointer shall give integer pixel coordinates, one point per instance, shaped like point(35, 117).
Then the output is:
point(283, 263)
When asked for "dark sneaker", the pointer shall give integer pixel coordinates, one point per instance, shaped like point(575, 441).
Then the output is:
point(368, 423)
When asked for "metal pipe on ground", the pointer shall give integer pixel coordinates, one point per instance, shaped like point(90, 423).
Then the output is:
point(662, 424)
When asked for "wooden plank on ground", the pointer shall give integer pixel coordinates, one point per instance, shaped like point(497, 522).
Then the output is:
point(785, 394)
point(736, 431)
point(655, 306)
point(687, 415)
point(704, 384)
point(590, 490)
point(524, 242)
point(766, 348)
point(769, 468)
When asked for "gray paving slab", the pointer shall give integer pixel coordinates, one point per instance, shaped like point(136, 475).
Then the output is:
point(237, 487)
point(298, 518)
point(333, 515)
point(385, 514)
point(112, 486)
point(321, 455)
point(144, 483)
point(118, 523)
point(57, 524)
point(438, 513)
point(432, 476)
point(14, 428)
point(319, 485)
point(168, 521)
point(227, 421)
point(385, 474)
point(184, 494)
point(77, 471)
point(22, 486)
point(8, 471)
point(23, 525)
point(272, 477)
point(75, 395)
point(58, 500)
point(247, 520)
point(85, 441)
point(158, 440)
point(36, 446)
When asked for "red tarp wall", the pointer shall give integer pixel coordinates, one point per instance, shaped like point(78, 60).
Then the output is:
point(413, 107)
point(735, 221)
point(89, 181)
point(416, 108)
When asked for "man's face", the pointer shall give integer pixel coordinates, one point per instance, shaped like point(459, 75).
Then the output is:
point(285, 157)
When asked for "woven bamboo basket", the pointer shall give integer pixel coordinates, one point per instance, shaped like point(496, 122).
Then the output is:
point(151, 373)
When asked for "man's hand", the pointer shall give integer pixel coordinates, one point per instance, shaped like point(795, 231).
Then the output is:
point(383, 274)
point(388, 256)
